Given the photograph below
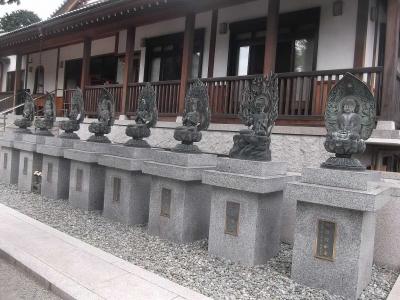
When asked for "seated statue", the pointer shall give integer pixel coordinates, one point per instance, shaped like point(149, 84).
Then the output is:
point(196, 118)
point(76, 116)
point(258, 110)
point(348, 122)
point(105, 119)
point(146, 117)
point(350, 119)
point(28, 114)
point(46, 123)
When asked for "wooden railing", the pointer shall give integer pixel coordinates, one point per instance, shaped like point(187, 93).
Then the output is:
point(303, 95)
point(92, 95)
point(167, 94)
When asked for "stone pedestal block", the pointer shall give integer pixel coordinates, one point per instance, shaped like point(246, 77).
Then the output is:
point(9, 162)
point(29, 163)
point(87, 178)
point(55, 168)
point(179, 202)
point(246, 205)
point(127, 189)
point(335, 228)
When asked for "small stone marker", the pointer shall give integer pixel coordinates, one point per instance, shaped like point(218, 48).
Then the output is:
point(49, 172)
point(116, 189)
point(165, 203)
point(326, 238)
point(5, 161)
point(232, 218)
point(79, 179)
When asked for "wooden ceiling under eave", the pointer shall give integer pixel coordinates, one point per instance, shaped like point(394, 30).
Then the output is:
point(102, 21)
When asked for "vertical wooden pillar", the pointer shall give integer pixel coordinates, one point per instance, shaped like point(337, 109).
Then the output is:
point(389, 93)
point(87, 49)
point(361, 33)
point(57, 70)
point(128, 68)
point(1, 75)
point(17, 80)
point(187, 57)
point(271, 39)
point(213, 40)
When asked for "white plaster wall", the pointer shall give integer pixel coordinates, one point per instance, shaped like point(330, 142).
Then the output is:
point(103, 46)
point(67, 53)
point(49, 62)
point(203, 20)
point(369, 51)
point(11, 66)
point(332, 54)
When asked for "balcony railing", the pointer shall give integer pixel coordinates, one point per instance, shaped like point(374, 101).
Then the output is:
point(303, 95)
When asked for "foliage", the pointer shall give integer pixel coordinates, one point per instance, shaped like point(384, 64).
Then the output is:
point(2, 2)
point(18, 19)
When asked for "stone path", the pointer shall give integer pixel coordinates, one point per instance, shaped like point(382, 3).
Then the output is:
point(16, 285)
point(72, 268)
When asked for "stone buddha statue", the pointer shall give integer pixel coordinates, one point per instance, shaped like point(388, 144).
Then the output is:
point(76, 116)
point(258, 111)
point(28, 113)
point(350, 118)
point(196, 117)
point(146, 117)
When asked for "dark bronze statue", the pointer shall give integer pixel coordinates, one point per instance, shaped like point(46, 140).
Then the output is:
point(28, 113)
point(46, 123)
point(105, 117)
point(76, 116)
point(146, 117)
point(349, 118)
point(258, 110)
point(196, 117)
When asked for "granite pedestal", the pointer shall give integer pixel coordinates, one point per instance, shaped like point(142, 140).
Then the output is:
point(29, 162)
point(127, 189)
point(9, 158)
point(55, 168)
point(335, 228)
point(246, 205)
point(87, 178)
point(179, 203)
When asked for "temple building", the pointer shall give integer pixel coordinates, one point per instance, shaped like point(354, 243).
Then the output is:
point(120, 45)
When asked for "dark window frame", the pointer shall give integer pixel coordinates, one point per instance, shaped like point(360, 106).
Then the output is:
point(288, 22)
point(176, 39)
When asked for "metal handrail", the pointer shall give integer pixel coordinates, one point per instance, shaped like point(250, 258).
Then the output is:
point(9, 97)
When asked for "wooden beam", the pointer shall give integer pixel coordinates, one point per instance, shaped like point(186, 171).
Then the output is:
point(128, 68)
point(361, 33)
point(271, 39)
point(213, 40)
point(57, 70)
point(87, 49)
point(17, 79)
point(187, 57)
point(26, 71)
point(389, 111)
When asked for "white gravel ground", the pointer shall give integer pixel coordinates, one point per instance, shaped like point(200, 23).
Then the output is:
point(188, 265)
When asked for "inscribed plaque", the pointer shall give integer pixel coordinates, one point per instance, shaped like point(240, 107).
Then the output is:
point(232, 218)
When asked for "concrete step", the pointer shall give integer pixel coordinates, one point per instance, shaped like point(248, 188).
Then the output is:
point(73, 269)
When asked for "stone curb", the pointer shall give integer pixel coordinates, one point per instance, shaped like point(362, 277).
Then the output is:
point(62, 284)
point(395, 292)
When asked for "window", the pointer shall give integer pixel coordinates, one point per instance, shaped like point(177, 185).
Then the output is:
point(164, 57)
point(296, 49)
point(10, 80)
point(39, 81)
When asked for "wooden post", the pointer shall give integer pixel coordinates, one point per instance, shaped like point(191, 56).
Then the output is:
point(213, 40)
point(389, 94)
point(187, 57)
point(57, 69)
point(361, 33)
point(1, 75)
point(271, 39)
point(85, 78)
point(17, 80)
point(128, 68)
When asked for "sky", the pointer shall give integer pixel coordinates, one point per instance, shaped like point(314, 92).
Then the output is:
point(43, 8)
